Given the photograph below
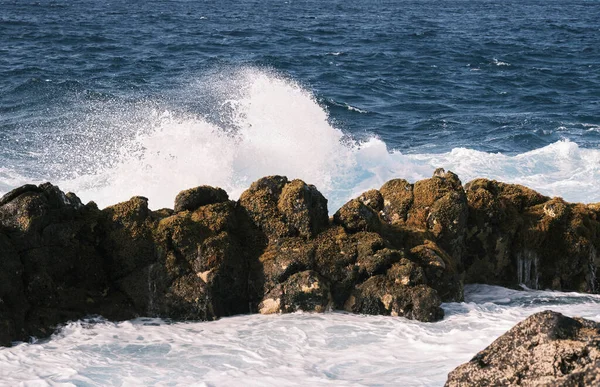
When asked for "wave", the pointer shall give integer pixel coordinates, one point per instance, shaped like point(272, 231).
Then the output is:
point(260, 123)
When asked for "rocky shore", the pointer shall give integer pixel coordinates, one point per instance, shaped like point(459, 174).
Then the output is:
point(546, 349)
point(401, 250)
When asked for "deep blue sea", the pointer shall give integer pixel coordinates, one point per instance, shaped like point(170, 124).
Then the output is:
point(111, 99)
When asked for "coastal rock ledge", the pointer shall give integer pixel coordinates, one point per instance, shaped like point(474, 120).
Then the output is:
point(546, 349)
point(401, 250)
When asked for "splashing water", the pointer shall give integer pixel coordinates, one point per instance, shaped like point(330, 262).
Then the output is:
point(334, 349)
point(258, 123)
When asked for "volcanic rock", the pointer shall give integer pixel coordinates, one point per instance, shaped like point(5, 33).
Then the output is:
point(546, 349)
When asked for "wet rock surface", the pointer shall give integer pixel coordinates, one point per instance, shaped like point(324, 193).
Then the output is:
point(401, 250)
point(546, 349)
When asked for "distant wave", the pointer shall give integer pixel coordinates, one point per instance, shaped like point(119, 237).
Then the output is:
point(269, 125)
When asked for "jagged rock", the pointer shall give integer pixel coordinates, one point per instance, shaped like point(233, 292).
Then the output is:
point(335, 259)
point(372, 199)
point(440, 271)
point(546, 349)
point(282, 260)
point(14, 305)
point(201, 270)
point(381, 294)
point(397, 200)
point(306, 291)
point(400, 250)
point(285, 209)
point(128, 242)
point(304, 208)
point(440, 207)
point(356, 216)
point(193, 198)
point(49, 244)
point(517, 236)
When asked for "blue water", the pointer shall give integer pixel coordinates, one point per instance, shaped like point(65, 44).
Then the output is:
point(424, 77)
point(112, 99)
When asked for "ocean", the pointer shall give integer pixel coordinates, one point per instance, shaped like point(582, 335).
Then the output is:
point(111, 99)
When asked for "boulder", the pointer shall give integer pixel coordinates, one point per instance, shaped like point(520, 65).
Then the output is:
point(52, 269)
point(381, 294)
point(193, 198)
point(281, 208)
point(356, 216)
point(304, 291)
point(546, 349)
point(517, 236)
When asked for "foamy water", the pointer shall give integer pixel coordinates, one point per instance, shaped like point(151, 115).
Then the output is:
point(300, 349)
point(266, 124)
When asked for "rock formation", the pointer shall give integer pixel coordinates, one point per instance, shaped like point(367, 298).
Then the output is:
point(401, 250)
point(546, 349)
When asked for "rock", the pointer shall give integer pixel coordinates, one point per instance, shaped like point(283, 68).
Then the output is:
point(400, 250)
point(52, 269)
point(193, 198)
point(282, 260)
point(372, 199)
point(304, 208)
point(546, 349)
point(517, 236)
point(281, 208)
point(440, 271)
point(128, 240)
point(356, 216)
point(306, 291)
point(201, 271)
point(383, 295)
point(398, 198)
point(440, 207)
point(335, 259)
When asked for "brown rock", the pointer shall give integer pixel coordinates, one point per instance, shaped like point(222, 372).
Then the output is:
point(355, 216)
point(546, 349)
point(193, 198)
point(281, 208)
point(381, 294)
point(306, 291)
point(397, 200)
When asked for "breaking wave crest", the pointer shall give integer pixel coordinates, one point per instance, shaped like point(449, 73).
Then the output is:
point(239, 125)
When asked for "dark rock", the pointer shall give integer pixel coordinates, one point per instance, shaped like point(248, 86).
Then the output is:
point(335, 259)
point(193, 198)
point(546, 349)
point(306, 291)
point(400, 250)
point(440, 208)
point(356, 216)
point(517, 236)
point(381, 294)
point(282, 260)
point(372, 199)
point(440, 271)
point(285, 209)
point(397, 200)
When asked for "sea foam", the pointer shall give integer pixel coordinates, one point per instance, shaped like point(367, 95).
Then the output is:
point(261, 123)
point(332, 349)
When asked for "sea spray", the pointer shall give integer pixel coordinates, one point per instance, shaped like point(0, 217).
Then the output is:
point(252, 123)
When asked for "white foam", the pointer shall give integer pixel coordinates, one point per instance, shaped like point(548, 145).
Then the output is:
point(266, 124)
point(301, 349)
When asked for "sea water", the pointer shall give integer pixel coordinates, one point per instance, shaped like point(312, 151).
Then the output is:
point(300, 349)
point(111, 99)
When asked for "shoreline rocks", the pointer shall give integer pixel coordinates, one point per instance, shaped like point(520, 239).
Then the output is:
point(401, 251)
point(546, 349)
